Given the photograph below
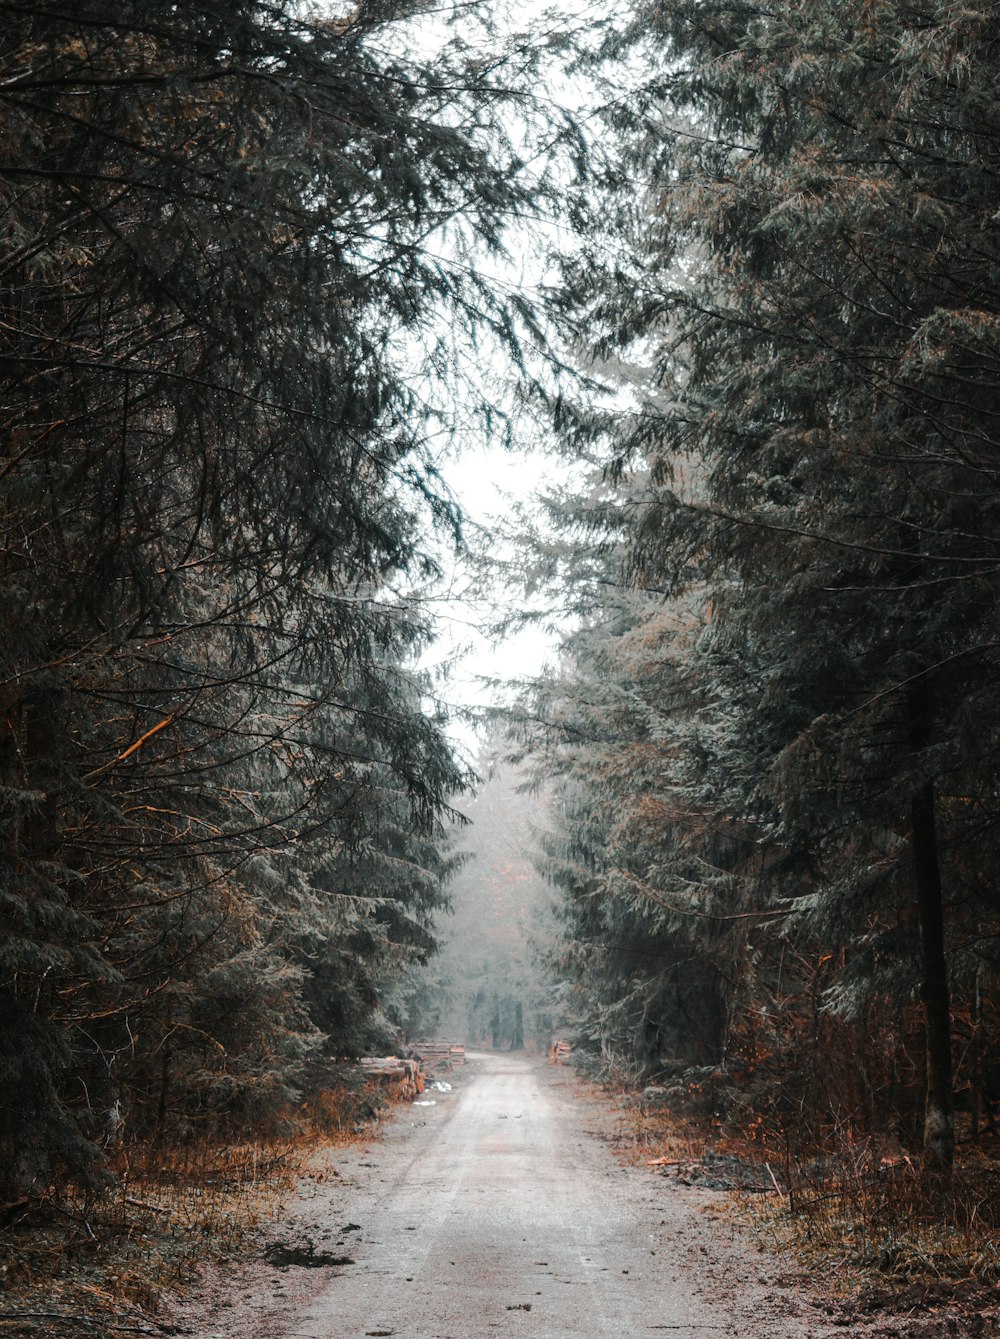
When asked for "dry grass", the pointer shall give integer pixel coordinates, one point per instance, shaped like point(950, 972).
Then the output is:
point(88, 1266)
point(643, 1134)
point(861, 1215)
point(882, 1222)
point(82, 1258)
point(338, 1115)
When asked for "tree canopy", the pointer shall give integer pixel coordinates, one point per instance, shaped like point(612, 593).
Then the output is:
point(232, 238)
point(808, 271)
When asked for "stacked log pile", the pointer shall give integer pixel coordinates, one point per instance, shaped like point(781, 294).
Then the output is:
point(405, 1078)
point(436, 1055)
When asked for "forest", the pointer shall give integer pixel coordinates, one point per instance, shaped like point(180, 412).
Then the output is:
point(255, 286)
point(773, 729)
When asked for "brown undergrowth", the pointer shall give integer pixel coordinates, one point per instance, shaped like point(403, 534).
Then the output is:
point(75, 1264)
point(646, 1133)
point(890, 1248)
point(897, 1255)
point(879, 1217)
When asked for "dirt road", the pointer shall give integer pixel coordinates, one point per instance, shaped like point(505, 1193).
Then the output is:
point(496, 1211)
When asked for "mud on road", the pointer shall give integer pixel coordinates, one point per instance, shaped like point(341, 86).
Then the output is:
point(497, 1210)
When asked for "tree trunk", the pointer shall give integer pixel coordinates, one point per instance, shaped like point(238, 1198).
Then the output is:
point(939, 1104)
point(161, 1113)
point(976, 1082)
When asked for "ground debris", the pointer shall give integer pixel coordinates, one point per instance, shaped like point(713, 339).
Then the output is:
point(922, 1311)
point(282, 1255)
point(717, 1171)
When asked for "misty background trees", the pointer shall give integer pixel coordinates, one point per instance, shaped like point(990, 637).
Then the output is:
point(488, 983)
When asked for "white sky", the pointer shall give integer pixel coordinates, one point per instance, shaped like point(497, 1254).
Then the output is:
point(487, 480)
point(484, 480)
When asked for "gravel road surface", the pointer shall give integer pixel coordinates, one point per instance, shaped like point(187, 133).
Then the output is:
point(498, 1210)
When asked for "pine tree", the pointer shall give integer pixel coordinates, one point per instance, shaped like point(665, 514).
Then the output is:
point(645, 959)
point(817, 270)
point(223, 288)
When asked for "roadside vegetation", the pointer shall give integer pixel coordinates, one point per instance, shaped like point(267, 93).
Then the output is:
point(875, 1237)
point(771, 737)
point(224, 777)
point(79, 1263)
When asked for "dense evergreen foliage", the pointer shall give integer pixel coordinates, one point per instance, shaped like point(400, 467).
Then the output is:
point(783, 756)
point(239, 264)
point(225, 278)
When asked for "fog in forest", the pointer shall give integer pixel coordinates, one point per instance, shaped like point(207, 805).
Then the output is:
point(487, 985)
